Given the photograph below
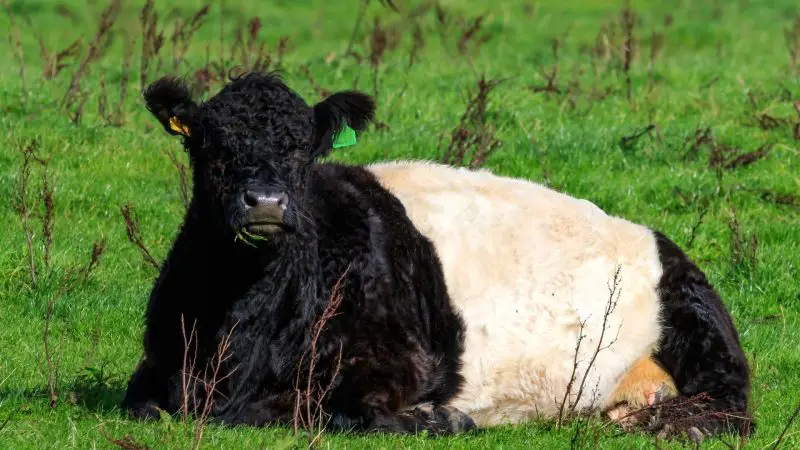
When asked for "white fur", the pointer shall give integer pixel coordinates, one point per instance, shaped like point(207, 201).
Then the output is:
point(525, 265)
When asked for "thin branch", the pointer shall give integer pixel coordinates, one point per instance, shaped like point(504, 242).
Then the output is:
point(786, 428)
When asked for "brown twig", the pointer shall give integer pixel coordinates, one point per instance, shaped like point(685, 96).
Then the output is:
point(470, 32)
point(119, 115)
point(98, 249)
point(321, 92)
point(54, 62)
point(96, 47)
point(49, 215)
point(182, 35)
point(183, 173)
point(611, 305)
point(52, 360)
point(748, 158)
point(561, 408)
point(797, 125)
point(552, 84)
point(703, 211)
point(10, 416)
point(743, 249)
point(702, 136)
point(474, 135)
point(656, 45)
point(786, 428)
point(134, 234)
point(628, 20)
point(23, 209)
point(15, 43)
point(308, 401)
point(792, 35)
point(567, 407)
point(626, 142)
point(126, 443)
point(187, 368)
point(378, 44)
point(362, 10)
point(152, 41)
point(417, 44)
point(209, 381)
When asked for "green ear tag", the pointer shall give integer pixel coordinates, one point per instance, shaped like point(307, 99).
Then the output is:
point(345, 138)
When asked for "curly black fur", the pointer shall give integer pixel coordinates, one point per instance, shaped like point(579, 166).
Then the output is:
point(400, 337)
point(700, 348)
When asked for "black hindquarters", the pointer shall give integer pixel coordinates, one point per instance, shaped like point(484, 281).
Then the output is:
point(700, 349)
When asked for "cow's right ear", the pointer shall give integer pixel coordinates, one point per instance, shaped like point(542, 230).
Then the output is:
point(170, 101)
point(336, 114)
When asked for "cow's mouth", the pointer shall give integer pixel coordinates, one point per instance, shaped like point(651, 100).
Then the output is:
point(263, 229)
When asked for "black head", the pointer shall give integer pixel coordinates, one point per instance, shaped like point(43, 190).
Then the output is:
point(252, 143)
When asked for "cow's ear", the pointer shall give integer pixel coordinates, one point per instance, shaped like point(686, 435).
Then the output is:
point(338, 119)
point(170, 101)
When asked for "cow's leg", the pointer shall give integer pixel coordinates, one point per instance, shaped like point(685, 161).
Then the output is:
point(645, 385)
point(435, 419)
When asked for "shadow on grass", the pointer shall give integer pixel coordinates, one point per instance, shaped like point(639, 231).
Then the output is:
point(94, 398)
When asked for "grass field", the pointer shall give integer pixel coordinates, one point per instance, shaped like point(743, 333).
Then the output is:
point(710, 87)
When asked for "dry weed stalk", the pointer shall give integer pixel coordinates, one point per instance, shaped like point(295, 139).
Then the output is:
point(628, 22)
point(719, 159)
point(627, 142)
point(567, 406)
point(125, 443)
point(702, 136)
point(183, 174)
point(184, 31)
point(656, 45)
point(748, 158)
point(474, 136)
point(135, 234)
point(704, 208)
point(790, 421)
point(378, 44)
point(152, 42)
point(54, 62)
point(49, 214)
point(308, 411)
point(418, 43)
point(98, 45)
point(472, 35)
point(743, 248)
point(321, 92)
point(23, 209)
point(209, 380)
point(792, 35)
point(8, 418)
point(98, 249)
point(362, 10)
point(15, 43)
point(53, 357)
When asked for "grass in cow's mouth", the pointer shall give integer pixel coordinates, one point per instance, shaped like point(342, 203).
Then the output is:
point(245, 236)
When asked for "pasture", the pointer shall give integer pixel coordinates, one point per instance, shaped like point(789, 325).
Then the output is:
point(683, 116)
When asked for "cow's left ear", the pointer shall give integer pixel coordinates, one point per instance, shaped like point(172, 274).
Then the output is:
point(170, 101)
point(338, 117)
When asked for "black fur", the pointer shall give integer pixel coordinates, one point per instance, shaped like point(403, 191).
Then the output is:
point(700, 348)
point(400, 337)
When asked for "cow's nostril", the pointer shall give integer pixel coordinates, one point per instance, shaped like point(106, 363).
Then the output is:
point(251, 199)
point(283, 200)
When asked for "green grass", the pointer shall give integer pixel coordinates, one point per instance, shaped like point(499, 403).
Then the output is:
point(714, 54)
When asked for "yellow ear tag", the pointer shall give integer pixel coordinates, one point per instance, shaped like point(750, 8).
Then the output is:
point(177, 126)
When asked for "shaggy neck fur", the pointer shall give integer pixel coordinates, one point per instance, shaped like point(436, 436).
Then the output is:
point(284, 269)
